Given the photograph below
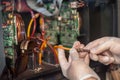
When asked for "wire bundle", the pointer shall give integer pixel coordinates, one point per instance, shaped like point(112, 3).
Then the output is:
point(20, 28)
point(41, 37)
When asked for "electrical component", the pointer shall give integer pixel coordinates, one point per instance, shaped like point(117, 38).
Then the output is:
point(9, 38)
point(20, 27)
point(29, 48)
point(65, 27)
point(29, 52)
point(13, 33)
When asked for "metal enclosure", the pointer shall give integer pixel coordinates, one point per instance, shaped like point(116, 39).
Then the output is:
point(2, 55)
point(103, 20)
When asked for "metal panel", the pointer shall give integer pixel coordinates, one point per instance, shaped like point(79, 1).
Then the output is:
point(2, 56)
point(106, 15)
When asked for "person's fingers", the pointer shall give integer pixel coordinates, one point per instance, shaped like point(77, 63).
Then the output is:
point(101, 48)
point(69, 59)
point(106, 55)
point(82, 54)
point(94, 57)
point(96, 42)
point(87, 59)
point(105, 59)
point(82, 45)
point(74, 54)
point(116, 59)
point(76, 44)
point(112, 60)
point(62, 59)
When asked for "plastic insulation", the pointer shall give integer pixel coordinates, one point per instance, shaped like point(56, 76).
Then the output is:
point(42, 26)
point(40, 58)
point(20, 28)
point(54, 52)
point(30, 24)
point(78, 50)
point(29, 27)
point(34, 27)
point(44, 44)
point(61, 47)
point(40, 54)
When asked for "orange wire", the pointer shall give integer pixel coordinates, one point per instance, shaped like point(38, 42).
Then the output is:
point(54, 52)
point(34, 27)
point(42, 24)
point(30, 24)
point(40, 58)
point(43, 45)
point(61, 47)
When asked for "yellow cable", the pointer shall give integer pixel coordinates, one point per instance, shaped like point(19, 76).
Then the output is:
point(29, 27)
point(61, 47)
point(41, 21)
point(40, 58)
point(40, 54)
point(30, 24)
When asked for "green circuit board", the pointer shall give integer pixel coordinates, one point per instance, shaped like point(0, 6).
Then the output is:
point(66, 25)
point(9, 38)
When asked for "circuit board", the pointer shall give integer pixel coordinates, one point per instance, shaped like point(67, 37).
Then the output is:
point(9, 39)
point(64, 27)
point(69, 25)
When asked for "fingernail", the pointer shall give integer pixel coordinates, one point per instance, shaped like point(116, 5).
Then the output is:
point(93, 50)
point(95, 57)
point(112, 59)
point(106, 59)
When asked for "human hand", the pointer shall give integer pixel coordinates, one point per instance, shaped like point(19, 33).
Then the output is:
point(75, 68)
point(84, 56)
point(105, 50)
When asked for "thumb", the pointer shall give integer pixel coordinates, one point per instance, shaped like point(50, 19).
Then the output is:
point(74, 54)
point(63, 61)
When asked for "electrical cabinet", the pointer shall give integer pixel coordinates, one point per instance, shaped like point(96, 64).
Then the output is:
point(30, 31)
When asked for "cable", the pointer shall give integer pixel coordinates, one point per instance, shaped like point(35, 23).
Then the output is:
point(54, 52)
point(29, 27)
point(42, 26)
point(44, 41)
point(34, 27)
point(30, 24)
point(61, 47)
point(20, 28)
